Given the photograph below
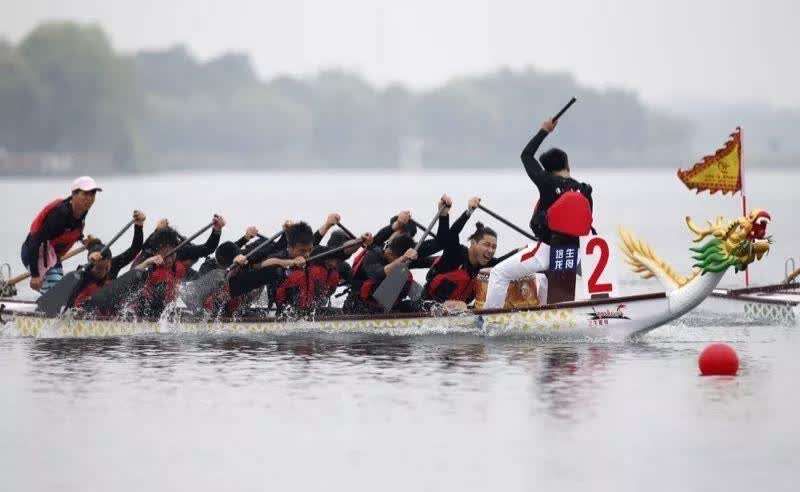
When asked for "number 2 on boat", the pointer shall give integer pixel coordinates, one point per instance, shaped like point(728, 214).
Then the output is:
point(598, 266)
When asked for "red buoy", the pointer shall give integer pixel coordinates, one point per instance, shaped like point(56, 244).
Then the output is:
point(718, 359)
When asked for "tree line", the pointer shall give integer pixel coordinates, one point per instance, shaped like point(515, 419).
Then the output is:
point(63, 88)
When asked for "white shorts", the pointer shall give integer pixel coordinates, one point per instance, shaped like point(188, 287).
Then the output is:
point(525, 264)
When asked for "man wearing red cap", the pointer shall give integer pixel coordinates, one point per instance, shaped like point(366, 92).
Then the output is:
point(57, 227)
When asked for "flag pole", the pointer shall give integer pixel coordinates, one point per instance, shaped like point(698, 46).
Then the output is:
point(744, 199)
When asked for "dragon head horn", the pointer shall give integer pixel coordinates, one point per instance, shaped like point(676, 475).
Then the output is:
point(698, 232)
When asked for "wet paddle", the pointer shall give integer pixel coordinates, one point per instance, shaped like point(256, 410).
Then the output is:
point(63, 293)
point(564, 109)
point(118, 290)
point(508, 223)
point(389, 290)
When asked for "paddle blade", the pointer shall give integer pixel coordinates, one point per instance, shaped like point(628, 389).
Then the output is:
point(390, 289)
point(117, 292)
point(194, 293)
point(61, 295)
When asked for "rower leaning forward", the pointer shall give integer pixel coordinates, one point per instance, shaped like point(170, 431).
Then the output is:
point(55, 229)
point(562, 215)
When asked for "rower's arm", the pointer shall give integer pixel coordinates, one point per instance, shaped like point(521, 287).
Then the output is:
point(430, 247)
point(382, 235)
point(495, 261)
point(426, 262)
point(250, 279)
point(268, 250)
point(460, 222)
point(53, 225)
point(193, 251)
point(532, 166)
point(127, 256)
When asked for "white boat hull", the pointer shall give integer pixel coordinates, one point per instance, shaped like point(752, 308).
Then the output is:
point(612, 319)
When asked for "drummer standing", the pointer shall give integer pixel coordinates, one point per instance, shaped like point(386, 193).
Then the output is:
point(558, 191)
point(55, 229)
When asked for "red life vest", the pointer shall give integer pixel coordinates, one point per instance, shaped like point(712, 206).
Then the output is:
point(221, 301)
point(570, 214)
point(88, 291)
point(358, 261)
point(304, 288)
point(326, 279)
point(169, 277)
point(64, 241)
point(464, 285)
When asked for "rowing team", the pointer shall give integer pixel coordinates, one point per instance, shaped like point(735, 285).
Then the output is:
point(301, 274)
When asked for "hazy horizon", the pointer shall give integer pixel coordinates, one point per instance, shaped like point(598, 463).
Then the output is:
point(675, 53)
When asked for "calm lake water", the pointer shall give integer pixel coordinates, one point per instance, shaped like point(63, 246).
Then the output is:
point(411, 413)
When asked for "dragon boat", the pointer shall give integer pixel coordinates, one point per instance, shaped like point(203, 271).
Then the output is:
point(724, 244)
point(771, 303)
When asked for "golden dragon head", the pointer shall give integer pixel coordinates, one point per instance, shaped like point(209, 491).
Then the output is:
point(734, 243)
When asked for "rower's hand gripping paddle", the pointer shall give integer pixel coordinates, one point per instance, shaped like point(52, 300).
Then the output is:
point(389, 290)
point(63, 293)
point(118, 291)
point(231, 270)
point(195, 292)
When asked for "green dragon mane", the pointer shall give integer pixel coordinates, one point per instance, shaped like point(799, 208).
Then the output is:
point(712, 258)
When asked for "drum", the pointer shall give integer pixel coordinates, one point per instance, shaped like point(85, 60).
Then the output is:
point(521, 293)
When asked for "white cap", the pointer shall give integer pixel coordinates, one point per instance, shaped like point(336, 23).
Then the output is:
point(85, 183)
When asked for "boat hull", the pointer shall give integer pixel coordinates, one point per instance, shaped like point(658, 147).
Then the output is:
point(769, 303)
point(612, 319)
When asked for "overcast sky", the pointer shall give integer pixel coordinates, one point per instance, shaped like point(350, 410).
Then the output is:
point(678, 50)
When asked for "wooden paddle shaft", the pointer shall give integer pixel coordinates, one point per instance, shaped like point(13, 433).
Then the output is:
point(506, 222)
point(22, 276)
point(119, 234)
point(189, 239)
point(428, 230)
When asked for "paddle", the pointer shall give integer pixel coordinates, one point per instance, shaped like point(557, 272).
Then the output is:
point(389, 290)
point(22, 276)
point(118, 290)
point(564, 109)
point(346, 230)
point(188, 240)
point(508, 223)
point(420, 226)
point(62, 294)
point(267, 241)
point(341, 247)
point(196, 292)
